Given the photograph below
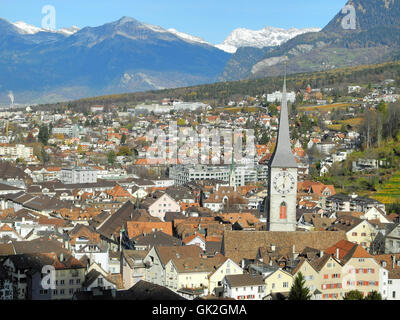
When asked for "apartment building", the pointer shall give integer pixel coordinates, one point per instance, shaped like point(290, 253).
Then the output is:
point(78, 175)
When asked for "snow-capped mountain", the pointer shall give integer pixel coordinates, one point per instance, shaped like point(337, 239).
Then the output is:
point(25, 28)
point(266, 37)
point(188, 37)
point(120, 56)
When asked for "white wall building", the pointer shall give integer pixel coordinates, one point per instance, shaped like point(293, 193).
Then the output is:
point(78, 175)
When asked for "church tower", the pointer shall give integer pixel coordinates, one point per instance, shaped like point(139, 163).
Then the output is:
point(282, 177)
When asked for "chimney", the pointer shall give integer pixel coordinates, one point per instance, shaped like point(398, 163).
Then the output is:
point(337, 253)
point(294, 249)
point(321, 253)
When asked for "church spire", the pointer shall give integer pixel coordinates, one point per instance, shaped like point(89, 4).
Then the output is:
point(283, 156)
point(232, 173)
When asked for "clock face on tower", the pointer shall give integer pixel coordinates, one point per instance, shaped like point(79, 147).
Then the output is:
point(284, 182)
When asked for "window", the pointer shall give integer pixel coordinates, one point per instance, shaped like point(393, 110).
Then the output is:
point(286, 284)
point(283, 211)
point(71, 281)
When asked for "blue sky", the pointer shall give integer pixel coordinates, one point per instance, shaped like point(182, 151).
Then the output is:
point(212, 20)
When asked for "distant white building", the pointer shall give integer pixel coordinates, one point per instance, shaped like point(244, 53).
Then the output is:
point(16, 151)
point(78, 175)
point(339, 156)
point(352, 89)
point(277, 96)
point(70, 131)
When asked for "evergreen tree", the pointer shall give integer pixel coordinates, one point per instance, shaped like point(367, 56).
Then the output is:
point(123, 139)
point(299, 291)
point(44, 134)
point(353, 295)
point(374, 295)
point(111, 157)
point(264, 138)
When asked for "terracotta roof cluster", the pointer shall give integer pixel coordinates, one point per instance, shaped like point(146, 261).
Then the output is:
point(119, 193)
point(75, 213)
point(245, 220)
point(136, 228)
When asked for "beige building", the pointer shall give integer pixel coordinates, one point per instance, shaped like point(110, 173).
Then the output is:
point(279, 281)
point(132, 267)
point(357, 230)
point(311, 275)
point(360, 271)
point(216, 277)
point(191, 273)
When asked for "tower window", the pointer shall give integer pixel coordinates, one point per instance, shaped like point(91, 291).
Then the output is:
point(283, 211)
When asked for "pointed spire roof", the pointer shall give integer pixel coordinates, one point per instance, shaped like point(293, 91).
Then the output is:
point(283, 156)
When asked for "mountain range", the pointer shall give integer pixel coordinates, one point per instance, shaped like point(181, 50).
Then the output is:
point(375, 39)
point(40, 66)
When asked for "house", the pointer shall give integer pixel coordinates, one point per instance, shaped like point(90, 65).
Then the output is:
point(8, 232)
point(360, 271)
point(390, 289)
point(244, 287)
point(97, 279)
point(26, 271)
point(195, 239)
point(392, 239)
point(111, 228)
point(310, 274)
point(330, 276)
point(133, 269)
point(188, 276)
point(357, 230)
point(216, 277)
point(158, 257)
point(376, 214)
point(158, 204)
point(225, 197)
point(279, 281)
